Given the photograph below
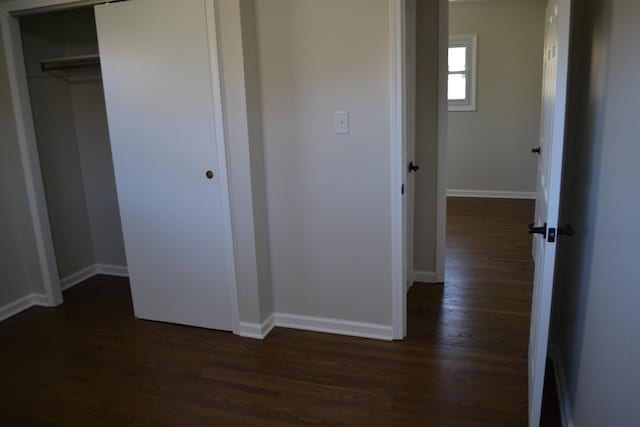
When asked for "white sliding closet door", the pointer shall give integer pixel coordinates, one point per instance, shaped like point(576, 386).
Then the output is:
point(156, 70)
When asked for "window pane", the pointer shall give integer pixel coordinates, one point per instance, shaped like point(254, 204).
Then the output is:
point(457, 87)
point(457, 59)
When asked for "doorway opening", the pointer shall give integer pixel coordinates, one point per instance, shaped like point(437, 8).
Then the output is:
point(494, 86)
point(66, 95)
point(504, 71)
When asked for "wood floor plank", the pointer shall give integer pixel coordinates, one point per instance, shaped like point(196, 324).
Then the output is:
point(464, 362)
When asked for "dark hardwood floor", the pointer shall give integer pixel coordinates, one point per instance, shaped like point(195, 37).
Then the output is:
point(464, 362)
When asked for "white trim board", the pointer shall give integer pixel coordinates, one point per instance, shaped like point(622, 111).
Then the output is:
point(255, 330)
point(566, 412)
point(77, 277)
point(19, 305)
point(19, 89)
point(443, 114)
point(112, 270)
point(410, 280)
point(334, 326)
point(90, 271)
point(397, 21)
point(316, 324)
point(260, 331)
point(487, 194)
point(425, 277)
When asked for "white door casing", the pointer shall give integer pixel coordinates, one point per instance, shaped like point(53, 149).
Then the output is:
point(157, 76)
point(397, 26)
point(410, 135)
point(554, 96)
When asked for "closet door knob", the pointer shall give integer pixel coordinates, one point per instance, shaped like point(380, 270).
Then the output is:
point(209, 174)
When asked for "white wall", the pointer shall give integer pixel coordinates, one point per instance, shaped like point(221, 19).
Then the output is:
point(328, 195)
point(595, 322)
point(94, 148)
point(489, 149)
point(19, 265)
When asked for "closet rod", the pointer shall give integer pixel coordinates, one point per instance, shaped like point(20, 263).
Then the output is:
point(69, 62)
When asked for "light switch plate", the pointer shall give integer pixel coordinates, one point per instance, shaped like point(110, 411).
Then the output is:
point(341, 122)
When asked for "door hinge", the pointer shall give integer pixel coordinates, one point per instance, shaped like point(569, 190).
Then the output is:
point(402, 189)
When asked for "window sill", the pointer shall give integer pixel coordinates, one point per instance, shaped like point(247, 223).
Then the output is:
point(462, 108)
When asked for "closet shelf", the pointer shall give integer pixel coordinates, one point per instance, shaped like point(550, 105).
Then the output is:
point(73, 67)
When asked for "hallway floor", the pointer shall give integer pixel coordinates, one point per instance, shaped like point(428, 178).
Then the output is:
point(464, 362)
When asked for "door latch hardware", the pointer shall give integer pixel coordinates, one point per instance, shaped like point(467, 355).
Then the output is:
point(538, 230)
point(413, 167)
point(567, 230)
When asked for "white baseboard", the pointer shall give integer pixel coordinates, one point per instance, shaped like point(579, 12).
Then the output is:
point(425, 277)
point(90, 271)
point(22, 304)
point(77, 277)
point(112, 270)
point(492, 194)
point(561, 385)
point(334, 326)
point(409, 282)
point(255, 330)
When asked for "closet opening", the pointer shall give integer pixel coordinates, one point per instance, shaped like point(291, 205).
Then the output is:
point(122, 154)
point(62, 64)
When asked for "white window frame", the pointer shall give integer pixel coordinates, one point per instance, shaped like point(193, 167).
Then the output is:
point(470, 41)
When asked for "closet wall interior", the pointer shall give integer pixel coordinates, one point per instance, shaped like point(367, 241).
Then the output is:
point(63, 70)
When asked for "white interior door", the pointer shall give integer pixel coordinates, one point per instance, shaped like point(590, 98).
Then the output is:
point(554, 96)
point(156, 70)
